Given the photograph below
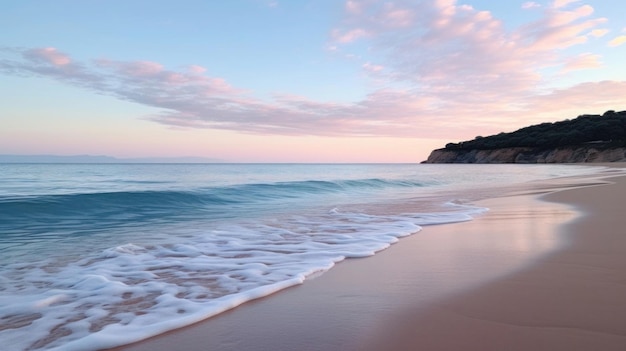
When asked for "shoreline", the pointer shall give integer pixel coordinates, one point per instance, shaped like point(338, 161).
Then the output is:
point(435, 290)
point(571, 299)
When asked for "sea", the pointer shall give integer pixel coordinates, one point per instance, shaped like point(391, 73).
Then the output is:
point(94, 256)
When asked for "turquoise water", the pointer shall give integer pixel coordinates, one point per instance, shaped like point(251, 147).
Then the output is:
point(98, 255)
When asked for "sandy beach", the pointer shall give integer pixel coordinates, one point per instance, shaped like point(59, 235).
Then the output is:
point(536, 272)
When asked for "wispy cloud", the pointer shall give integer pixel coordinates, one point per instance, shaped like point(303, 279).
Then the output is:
point(530, 5)
point(50, 55)
point(464, 56)
point(349, 36)
point(617, 41)
point(562, 3)
point(190, 98)
point(598, 33)
point(372, 68)
point(448, 67)
point(456, 49)
point(583, 61)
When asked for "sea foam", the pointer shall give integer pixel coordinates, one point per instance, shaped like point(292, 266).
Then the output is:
point(96, 256)
point(134, 291)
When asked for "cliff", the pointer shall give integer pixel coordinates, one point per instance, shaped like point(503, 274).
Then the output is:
point(589, 152)
point(586, 138)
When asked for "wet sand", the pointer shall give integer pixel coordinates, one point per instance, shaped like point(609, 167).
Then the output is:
point(530, 274)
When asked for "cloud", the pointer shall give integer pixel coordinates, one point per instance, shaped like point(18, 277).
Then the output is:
point(353, 7)
point(617, 41)
point(349, 36)
point(589, 96)
point(397, 17)
point(134, 69)
point(372, 68)
point(458, 50)
point(562, 3)
point(583, 61)
point(560, 29)
point(196, 69)
point(598, 33)
point(49, 62)
point(530, 5)
point(189, 98)
point(445, 68)
point(49, 55)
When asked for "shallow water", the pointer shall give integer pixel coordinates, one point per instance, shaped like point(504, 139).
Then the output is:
point(94, 256)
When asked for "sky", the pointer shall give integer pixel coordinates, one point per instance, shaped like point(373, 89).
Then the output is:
point(298, 80)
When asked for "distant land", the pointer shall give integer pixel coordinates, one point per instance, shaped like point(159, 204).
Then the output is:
point(587, 138)
point(101, 159)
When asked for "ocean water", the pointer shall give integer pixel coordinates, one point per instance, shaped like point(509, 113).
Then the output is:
point(99, 255)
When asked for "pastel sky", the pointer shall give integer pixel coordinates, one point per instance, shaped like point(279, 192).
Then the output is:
point(298, 80)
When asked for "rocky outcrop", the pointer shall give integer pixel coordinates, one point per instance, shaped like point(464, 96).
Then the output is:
point(570, 154)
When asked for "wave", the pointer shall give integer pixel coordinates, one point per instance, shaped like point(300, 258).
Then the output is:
point(110, 257)
point(124, 293)
point(202, 202)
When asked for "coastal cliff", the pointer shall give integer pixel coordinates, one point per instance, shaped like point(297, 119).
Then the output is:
point(587, 138)
point(574, 154)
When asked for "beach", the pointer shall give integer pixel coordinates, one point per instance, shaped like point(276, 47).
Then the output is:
point(537, 272)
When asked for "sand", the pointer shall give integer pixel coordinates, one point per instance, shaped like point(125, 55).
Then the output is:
point(533, 273)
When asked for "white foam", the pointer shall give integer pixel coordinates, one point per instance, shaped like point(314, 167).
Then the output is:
point(134, 291)
point(50, 300)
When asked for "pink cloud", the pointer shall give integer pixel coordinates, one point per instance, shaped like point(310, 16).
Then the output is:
point(598, 33)
point(560, 29)
point(464, 58)
point(49, 62)
point(133, 69)
point(400, 18)
point(562, 3)
point(561, 17)
point(590, 96)
point(50, 55)
point(142, 68)
point(530, 5)
point(353, 7)
point(456, 49)
point(372, 67)
point(196, 69)
point(620, 40)
point(139, 74)
point(349, 36)
point(192, 100)
point(459, 68)
point(583, 61)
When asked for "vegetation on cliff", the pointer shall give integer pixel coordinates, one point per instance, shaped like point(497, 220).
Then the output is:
point(608, 129)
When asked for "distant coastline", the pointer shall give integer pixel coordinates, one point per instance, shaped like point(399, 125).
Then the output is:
point(101, 159)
